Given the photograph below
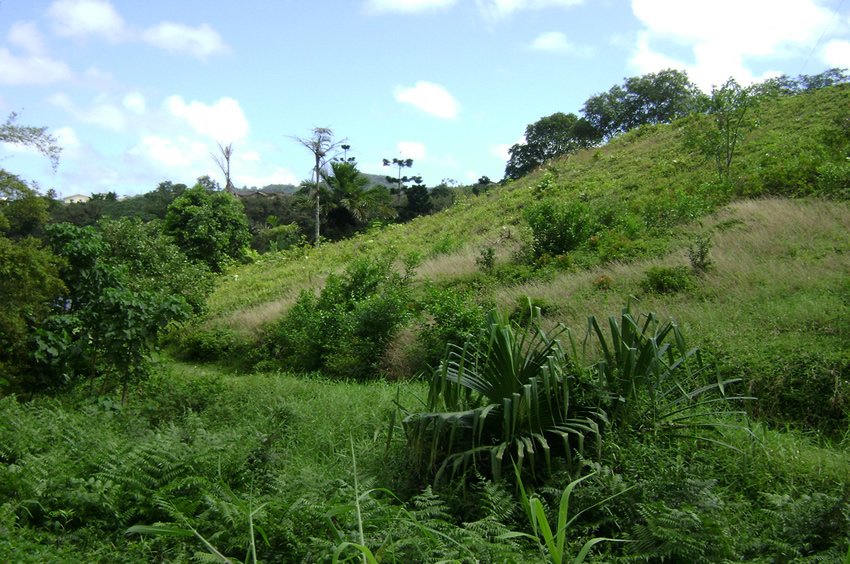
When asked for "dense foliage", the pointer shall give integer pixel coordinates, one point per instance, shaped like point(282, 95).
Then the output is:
point(208, 226)
point(545, 441)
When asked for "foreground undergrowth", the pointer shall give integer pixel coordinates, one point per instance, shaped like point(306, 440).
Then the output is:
point(268, 460)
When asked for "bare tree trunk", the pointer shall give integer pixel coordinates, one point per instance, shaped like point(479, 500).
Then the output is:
point(318, 199)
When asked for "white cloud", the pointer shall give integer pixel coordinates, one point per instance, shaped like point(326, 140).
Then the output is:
point(31, 69)
point(101, 112)
point(171, 152)
point(79, 18)
point(430, 98)
point(498, 9)
point(135, 102)
point(199, 42)
point(557, 42)
point(27, 36)
point(407, 6)
point(224, 120)
point(67, 138)
point(249, 156)
point(501, 151)
point(411, 150)
point(723, 36)
point(836, 53)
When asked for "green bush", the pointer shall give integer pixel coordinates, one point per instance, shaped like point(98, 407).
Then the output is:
point(207, 345)
point(667, 279)
point(805, 389)
point(833, 180)
point(698, 254)
point(452, 317)
point(558, 227)
point(346, 328)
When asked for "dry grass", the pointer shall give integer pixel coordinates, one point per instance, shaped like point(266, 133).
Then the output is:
point(778, 264)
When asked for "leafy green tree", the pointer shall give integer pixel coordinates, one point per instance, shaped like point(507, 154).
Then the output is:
point(22, 211)
point(29, 287)
point(418, 202)
point(649, 99)
point(109, 318)
point(154, 262)
point(547, 138)
point(209, 227)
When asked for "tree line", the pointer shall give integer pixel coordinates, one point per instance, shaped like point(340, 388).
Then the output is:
point(650, 99)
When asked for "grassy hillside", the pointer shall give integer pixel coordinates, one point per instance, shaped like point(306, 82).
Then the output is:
point(649, 197)
point(648, 172)
point(243, 459)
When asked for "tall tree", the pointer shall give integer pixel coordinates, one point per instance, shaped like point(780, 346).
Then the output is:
point(400, 180)
point(320, 144)
point(223, 162)
point(548, 137)
point(652, 98)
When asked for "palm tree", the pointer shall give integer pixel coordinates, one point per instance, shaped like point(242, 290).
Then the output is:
point(355, 204)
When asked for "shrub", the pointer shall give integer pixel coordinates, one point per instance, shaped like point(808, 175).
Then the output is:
point(207, 345)
point(346, 328)
point(486, 260)
point(527, 308)
point(806, 390)
point(558, 227)
point(453, 317)
point(698, 254)
point(667, 279)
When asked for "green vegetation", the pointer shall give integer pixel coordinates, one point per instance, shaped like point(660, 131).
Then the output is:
point(652, 334)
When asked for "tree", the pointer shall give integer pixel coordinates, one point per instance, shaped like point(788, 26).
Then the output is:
point(223, 163)
point(22, 211)
point(320, 144)
point(547, 138)
point(418, 202)
point(400, 180)
point(354, 203)
point(36, 137)
point(29, 287)
point(728, 120)
point(109, 319)
point(649, 99)
point(209, 227)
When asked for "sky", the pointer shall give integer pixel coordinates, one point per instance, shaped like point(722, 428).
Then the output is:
point(139, 92)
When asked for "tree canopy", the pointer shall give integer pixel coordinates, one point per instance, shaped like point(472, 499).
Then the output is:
point(548, 137)
point(209, 227)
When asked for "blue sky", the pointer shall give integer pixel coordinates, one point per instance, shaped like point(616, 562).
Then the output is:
point(141, 92)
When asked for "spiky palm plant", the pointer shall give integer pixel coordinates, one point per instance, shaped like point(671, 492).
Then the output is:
point(653, 381)
point(505, 395)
